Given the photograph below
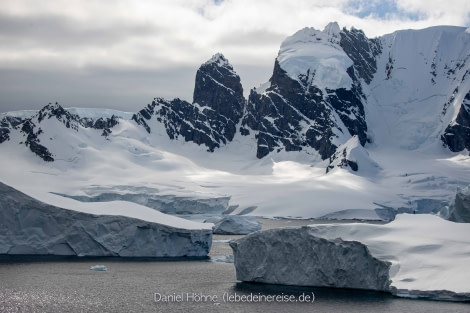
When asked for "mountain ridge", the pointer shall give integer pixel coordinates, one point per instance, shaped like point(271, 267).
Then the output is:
point(326, 88)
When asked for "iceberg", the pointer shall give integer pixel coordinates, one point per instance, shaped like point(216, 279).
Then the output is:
point(293, 256)
point(30, 226)
point(415, 256)
point(99, 268)
point(235, 225)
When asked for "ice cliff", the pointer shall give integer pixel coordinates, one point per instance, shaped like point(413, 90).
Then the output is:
point(29, 226)
point(294, 256)
point(150, 197)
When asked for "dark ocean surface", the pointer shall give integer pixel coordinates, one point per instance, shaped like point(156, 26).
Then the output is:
point(62, 284)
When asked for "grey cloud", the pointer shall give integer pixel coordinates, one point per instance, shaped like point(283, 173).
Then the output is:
point(127, 90)
point(101, 87)
point(55, 31)
point(255, 37)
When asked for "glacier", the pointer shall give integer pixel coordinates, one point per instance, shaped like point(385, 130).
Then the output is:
point(30, 226)
point(416, 256)
point(235, 225)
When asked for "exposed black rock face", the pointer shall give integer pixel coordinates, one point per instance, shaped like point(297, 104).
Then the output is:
point(340, 159)
point(362, 50)
point(32, 141)
point(286, 116)
point(7, 123)
point(293, 114)
point(106, 124)
point(218, 87)
point(457, 135)
point(4, 134)
point(212, 118)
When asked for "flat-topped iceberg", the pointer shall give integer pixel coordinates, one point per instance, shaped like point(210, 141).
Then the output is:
point(293, 256)
point(422, 256)
point(30, 226)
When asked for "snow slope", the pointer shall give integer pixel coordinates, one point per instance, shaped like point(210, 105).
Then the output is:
point(285, 185)
point(418, 88)
point(317, 55)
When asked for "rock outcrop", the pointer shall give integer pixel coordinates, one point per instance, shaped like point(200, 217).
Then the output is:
point(216, 110)
point(457, 134)
point(311, 102)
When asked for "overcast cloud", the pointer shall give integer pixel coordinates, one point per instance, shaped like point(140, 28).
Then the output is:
point(121, 54)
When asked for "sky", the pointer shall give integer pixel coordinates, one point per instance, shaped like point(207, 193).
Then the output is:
point(121, 54)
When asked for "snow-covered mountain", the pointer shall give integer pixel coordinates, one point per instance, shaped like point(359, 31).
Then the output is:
point(381, 122)
point(214, 114)
point(314, 97)
point(409, 89)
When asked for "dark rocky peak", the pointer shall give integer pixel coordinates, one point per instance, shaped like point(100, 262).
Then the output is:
point(57, 111)
point(218, 86)
point(51, 110)
point(74, 121)
point(31, 128)
point(309, 103)
point(362, 50)
point(212, 118)
point(147, 113)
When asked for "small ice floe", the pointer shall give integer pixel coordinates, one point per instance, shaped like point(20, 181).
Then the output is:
point(222, 259)
point(99, 268)
point(222, 240)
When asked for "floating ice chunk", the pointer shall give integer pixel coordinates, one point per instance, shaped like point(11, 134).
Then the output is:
point(99, 268)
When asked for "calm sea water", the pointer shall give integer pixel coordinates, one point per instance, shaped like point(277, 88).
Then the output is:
point(39, 284)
